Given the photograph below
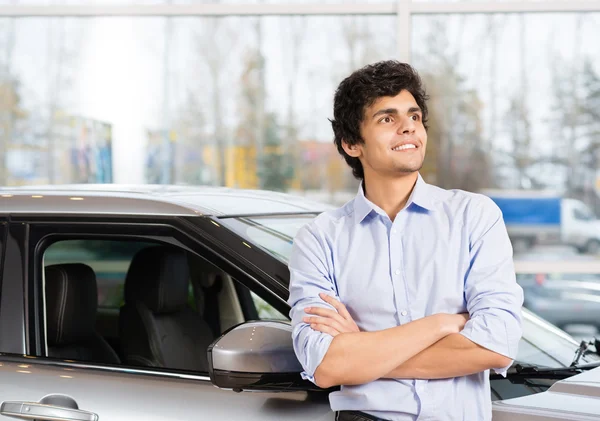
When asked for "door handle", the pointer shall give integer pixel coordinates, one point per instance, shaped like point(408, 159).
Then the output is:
point(51, 408)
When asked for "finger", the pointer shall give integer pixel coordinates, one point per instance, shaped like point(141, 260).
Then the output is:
point(324, 312)
point(325, 321)
point(338, 305)
point(325, 329)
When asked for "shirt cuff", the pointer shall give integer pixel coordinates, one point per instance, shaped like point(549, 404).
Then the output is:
point(495, 338)
point(317, 353)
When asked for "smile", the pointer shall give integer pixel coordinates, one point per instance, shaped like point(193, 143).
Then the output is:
point(404, 147)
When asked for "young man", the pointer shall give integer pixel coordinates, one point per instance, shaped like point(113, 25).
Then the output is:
point(405, 296)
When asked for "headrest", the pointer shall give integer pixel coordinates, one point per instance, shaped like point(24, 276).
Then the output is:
point(207, 274)
point(71, 303)
point(158, 277)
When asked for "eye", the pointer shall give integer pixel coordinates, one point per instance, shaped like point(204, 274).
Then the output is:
point(387, 119)
point(415, 117)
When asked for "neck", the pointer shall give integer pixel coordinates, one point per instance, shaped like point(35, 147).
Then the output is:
point(390, 194)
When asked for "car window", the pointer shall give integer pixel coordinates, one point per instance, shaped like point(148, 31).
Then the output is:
point(215, 302)
point(109, 259)
point(582, 214)
point(265, 310)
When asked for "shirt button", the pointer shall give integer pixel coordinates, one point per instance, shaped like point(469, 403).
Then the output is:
point(404, 313)
point(397, 272)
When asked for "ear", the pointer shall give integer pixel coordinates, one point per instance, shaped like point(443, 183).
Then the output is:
point(352, 150)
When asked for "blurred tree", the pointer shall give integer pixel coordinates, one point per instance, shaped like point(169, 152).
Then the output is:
point(275, 172)
point(64, 39)
point(572, 120)
point(590, 129)
point(215, 32)
point(455, 156)
point(273, 169)
point(296, 29)
point(591, 100)
point(517, 120)
point(11, 113)
point(188, 163)
point(566, 117)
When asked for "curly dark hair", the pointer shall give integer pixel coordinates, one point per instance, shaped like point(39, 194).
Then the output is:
point(360, 90)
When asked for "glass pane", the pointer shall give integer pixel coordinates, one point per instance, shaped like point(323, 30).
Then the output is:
point(514, 115)
point(265, 310)
point(152, 2)
point(517, 121)
point(108, 259)
point(274, 234)
point(476, 1)
point(233, 101)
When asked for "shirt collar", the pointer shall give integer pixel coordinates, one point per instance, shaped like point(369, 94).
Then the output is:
point(422, 195)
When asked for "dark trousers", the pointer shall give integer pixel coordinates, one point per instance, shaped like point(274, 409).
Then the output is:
point(355, 416)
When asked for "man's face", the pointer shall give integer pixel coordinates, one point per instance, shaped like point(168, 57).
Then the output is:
point(394, 137)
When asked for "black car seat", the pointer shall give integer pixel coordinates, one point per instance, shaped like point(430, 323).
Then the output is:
point(71, 304)
point(157, 327)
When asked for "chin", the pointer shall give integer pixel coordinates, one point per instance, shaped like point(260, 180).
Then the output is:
point(409, 169)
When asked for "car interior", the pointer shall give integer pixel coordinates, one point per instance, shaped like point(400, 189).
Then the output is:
point(140, 304)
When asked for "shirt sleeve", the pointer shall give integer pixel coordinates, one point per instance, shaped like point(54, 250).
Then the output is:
point(494, 299)
point(310, 274)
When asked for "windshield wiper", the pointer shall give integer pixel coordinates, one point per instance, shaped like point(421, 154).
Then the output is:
point(520, 372)
point(529, 371)
point(583, 347)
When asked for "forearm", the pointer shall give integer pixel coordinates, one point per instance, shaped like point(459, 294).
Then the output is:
point(452, 356)
point(358, 358)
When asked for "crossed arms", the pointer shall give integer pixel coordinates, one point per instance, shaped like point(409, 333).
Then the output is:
point(333, 351)
point(428, 348)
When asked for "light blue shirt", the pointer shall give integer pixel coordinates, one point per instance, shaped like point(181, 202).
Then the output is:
point(447, 251)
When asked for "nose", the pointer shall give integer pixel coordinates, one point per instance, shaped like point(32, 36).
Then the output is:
point(407, 126)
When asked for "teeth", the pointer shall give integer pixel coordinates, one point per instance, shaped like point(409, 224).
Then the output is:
point(404, 147)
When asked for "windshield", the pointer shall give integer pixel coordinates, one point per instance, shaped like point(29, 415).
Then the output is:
point(544, 344)
point(274, 234)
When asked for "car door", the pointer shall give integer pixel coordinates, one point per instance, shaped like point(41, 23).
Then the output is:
point(36, 386)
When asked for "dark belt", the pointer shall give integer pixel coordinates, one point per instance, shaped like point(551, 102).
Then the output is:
point(355, 416)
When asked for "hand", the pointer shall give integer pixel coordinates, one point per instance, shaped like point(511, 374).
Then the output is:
point(330, 321)
point(456, 322)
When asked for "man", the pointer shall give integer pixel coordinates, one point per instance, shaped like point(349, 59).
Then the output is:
point(425, 275)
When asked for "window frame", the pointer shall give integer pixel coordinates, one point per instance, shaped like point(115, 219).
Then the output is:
point(163, 230)
point(3, 238)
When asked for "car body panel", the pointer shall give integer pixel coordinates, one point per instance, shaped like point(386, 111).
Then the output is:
point(150, 200)
point(116, 395)
point(575, 398)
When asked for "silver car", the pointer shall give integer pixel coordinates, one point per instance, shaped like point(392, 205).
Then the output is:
point(169, 303)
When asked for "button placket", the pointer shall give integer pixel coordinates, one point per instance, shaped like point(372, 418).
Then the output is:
point(397, 262)
point(398, 280)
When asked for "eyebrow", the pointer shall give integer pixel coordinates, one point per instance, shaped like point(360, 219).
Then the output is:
point(395, 111)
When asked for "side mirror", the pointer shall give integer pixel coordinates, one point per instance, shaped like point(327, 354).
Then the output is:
point(256, 355)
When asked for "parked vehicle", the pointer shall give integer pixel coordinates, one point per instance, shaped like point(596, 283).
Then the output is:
point(564, 290)
point(534, 217)
point(125, 303)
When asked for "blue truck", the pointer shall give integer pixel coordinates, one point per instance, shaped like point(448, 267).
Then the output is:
point(541, 217)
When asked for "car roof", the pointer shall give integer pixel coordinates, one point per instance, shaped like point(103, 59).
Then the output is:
point(172, 200)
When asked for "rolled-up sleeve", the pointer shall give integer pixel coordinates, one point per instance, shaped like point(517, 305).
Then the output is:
point(494, 299)
point(310, 275)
